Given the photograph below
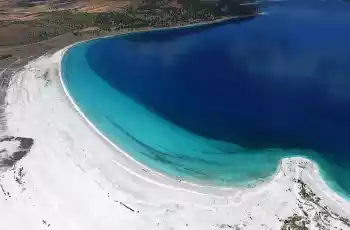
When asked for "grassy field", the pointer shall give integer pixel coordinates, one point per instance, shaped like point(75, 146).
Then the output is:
point(152, 13)
point(33, 31)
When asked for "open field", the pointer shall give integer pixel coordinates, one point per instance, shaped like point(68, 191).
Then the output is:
point(32, 29)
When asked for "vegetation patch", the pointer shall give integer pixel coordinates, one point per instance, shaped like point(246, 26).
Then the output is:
point(5, 56)
point(148, 14)
point(313, 212)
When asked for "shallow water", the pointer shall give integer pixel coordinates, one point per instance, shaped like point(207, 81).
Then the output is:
point(222, 105)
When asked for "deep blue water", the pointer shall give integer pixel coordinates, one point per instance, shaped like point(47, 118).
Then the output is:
point(225, 103)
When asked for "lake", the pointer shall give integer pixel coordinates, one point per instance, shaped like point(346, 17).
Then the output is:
point(223, 104)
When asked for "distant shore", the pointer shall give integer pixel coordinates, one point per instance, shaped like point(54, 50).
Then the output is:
point(29, 52)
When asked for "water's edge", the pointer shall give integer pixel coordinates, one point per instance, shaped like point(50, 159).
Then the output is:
point(329, 183)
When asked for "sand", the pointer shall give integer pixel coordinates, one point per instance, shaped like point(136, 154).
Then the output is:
point(74, 179)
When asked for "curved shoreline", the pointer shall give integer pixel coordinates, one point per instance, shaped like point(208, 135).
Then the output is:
point(152, 171)
point(73, 179)
point(156, 173)
point(179, 185)
point(69, 164)
point(256, 183)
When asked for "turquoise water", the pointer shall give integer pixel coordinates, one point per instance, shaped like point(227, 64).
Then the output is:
point(222, 105)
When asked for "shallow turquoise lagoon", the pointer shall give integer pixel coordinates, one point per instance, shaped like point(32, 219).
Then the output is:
point(224, 104)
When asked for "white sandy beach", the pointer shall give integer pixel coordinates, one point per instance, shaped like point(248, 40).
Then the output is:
point(74, 179)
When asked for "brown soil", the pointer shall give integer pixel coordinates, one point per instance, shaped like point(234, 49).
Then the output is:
point(9, 11)
point(98, 6)
point(28, 52)
point(21, 34)
point(18, 34)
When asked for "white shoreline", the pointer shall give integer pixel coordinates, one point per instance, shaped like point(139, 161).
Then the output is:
point(157, 173)
point(69, 173)
point(153, 172)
